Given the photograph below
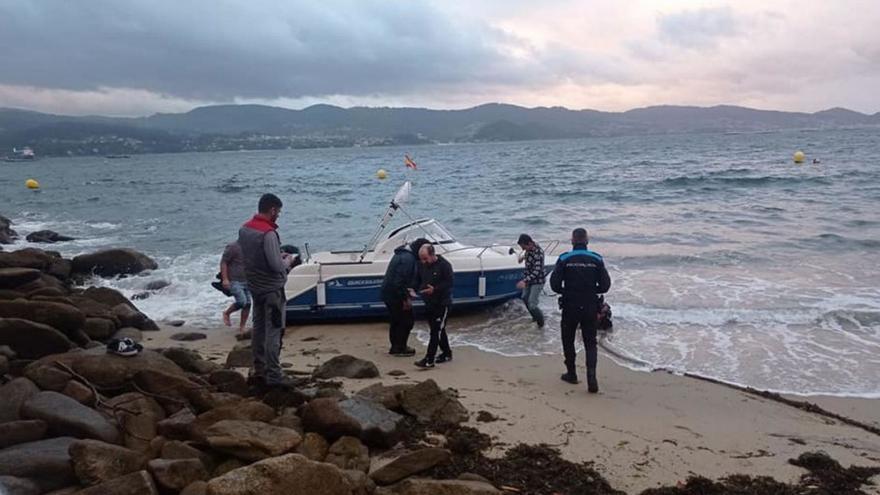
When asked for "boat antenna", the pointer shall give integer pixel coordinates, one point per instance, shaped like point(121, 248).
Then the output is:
point(399, 198)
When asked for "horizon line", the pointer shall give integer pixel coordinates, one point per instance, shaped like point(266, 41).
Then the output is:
point(388, 107)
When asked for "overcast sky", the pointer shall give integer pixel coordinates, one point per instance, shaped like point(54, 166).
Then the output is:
point(137, 57)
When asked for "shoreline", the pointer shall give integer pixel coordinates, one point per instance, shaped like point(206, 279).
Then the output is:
point(643, 430)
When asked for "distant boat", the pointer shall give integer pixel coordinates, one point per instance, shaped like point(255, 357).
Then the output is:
point(21, 155)
point(116, 157)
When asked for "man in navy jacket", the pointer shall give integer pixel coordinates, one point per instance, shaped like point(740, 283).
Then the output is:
point(579, 276)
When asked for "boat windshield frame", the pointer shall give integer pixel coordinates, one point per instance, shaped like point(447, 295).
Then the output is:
point(430, 229)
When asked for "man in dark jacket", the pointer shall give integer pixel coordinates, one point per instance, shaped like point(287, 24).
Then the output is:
point(579, 275)
point(434, 282)
point(266, 273)
point(399, 278)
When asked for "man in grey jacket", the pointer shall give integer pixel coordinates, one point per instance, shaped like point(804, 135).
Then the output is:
point(266, 273)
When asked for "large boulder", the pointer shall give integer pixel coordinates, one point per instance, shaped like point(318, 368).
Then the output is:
point(16, 432)
point(427, 402)
point(314, 447)
point(175, 449)
point(349, 453)
point(14, 394)
point(106, 296)
point(229, 381)
point(195, 488)
point(129, 316)
point(358, 417)
point(27, 258)
point(48, 377)
point(409, 464)
point(176, 474)
point(109, 370)
point(47, 237)
point(251, 440)
point(99, 328)
point(177, 426)
point(324, 416)
point(173, 391)
point(385, 395)
point(79, 392)
point(138, 417)
point(10, 485)
point(190, 360)
point(66, 416)
point(240, 357)
point(32, 340)
point(113, 262)
point(45, 282)
point(92, 308)
point(96, 462)
point(379, 426)
point(62, 317)
point(242, 410)
point(46, 462)
point(284, 475)
point(139, 483)
point(11, 295)
point(10, 278)
point(413, 486)
point(347, 367)
point(289, 419)
point(7, 235)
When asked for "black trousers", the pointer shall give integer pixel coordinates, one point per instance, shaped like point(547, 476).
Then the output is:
point(400, 324)
point(437, 322)
point(575, 316)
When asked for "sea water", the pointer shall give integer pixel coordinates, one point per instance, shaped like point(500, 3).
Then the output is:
point(727, 259)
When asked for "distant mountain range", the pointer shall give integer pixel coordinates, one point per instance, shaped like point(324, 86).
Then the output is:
point(231, 127)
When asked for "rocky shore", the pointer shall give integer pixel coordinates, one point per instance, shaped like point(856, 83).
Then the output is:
point(75, 419)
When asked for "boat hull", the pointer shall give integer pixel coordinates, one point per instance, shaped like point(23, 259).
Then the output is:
point(359, 297)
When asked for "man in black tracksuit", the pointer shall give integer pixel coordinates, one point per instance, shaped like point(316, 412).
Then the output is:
point(579, 276)
point(434, 282)
point(400, 277)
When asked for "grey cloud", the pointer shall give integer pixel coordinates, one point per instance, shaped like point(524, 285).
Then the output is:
point(220, 50)
point(698, 28)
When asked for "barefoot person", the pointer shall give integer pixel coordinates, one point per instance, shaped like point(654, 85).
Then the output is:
point(434, 282)
point(399, 279)
point(266, 273)
point(533, 278)
point(233, 279)
point(579, 276)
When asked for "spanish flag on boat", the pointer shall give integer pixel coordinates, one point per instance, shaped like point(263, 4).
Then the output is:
point(409, 162)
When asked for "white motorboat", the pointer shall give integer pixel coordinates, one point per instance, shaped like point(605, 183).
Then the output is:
point(345, 285)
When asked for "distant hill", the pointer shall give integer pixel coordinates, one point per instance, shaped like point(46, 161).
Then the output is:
point(224, 127)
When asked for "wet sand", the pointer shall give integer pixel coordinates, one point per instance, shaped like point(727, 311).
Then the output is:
point(641, 431)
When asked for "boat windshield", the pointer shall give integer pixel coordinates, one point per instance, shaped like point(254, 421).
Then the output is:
point(436, 233)
point(428, 229)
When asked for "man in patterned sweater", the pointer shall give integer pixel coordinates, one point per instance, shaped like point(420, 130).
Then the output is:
point(533, 281)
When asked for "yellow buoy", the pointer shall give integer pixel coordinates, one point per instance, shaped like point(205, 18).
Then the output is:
point(799, 157)
point(381, 174)
point(32, 184)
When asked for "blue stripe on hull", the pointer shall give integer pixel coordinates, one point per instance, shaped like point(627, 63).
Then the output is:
point(360, 298)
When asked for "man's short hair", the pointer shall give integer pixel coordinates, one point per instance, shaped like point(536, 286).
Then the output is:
point(429, 248)
point(524, 240)
point(579, 236)
point(267, 202)
point(417, 244)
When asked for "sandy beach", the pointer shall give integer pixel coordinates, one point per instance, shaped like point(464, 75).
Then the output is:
point(641, 431)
